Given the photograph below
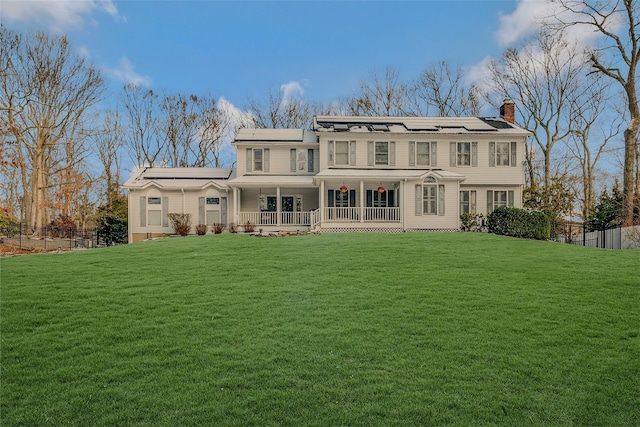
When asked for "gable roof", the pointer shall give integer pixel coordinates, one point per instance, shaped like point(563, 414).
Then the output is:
point(410, 125)
point(179, 178)
point(288, 136)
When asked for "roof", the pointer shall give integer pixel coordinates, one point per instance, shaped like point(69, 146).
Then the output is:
point(263, 181)
point(288, 136)
point(432, 125)
point(388, 174)
point(179, 178)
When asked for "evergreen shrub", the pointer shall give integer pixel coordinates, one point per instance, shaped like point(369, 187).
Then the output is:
point(519, 223)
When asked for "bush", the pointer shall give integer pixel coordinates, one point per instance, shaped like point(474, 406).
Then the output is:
point(233, 228)
point(62, 227)
point(111, 222)
point(201, 229)
point(519, 223)
point(181, 223)
point(248, 227)
point(217, 228)
point(9, 225)
point(472, 222)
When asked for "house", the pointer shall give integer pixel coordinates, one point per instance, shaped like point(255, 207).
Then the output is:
point(155, 192)
point(389, 174)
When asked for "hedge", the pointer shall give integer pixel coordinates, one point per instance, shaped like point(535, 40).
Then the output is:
point(519, 223)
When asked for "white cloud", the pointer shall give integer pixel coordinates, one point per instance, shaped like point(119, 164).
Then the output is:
point(291, 90)
point(59, 15)
point(523, 22)
point(236, 119)
point(125, 73)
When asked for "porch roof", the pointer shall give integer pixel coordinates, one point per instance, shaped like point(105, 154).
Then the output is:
point(387, 174)
point(265, 181)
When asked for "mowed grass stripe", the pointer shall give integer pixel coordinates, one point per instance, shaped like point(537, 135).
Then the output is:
point(351, 329)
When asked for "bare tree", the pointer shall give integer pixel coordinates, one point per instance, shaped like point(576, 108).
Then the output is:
point(177, 129)
point(382, 95)
point(443, 91)
point(616, 56)
point(140, 104)
point(46, 92)
point(592, 130)
point(108, 141)
point(540, 78)
point(275, 110)
point(213, 125)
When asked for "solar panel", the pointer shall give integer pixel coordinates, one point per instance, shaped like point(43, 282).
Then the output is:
point(380, 127)
point(340, 126)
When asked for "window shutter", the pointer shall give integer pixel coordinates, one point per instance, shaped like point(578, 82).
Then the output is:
point(369, 198)
point(510, 197)
point(392, 153)
point(310, 160)
point(292, 160)
point(143, 211)
point(412, 153)
point(441, 200)
point(419, 200)
point(165, 211)
point(370, 153)
point(390, 201)
point(452, 154)
point(331, 199)
point(514, 157)
point(474, 154)
point(201, 210)
point(352, 198)
point(223, 210)
point(489, 201)
point(265, 160)
point(352, 153)
point(472, 201)
point(249, 159)
point(330, 153)
point(434, 154)
point(492, 154)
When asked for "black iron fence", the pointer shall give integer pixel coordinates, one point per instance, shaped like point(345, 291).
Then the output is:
point(50, 237)
point(610, 238)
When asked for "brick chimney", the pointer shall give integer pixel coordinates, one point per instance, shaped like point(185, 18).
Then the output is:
point(508, 111)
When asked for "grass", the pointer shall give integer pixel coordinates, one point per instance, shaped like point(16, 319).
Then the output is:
point(357, 329)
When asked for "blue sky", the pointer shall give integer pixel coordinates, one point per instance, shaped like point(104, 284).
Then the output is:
point(240, 49)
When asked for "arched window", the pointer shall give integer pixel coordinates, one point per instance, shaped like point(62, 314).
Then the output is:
point(430, 197)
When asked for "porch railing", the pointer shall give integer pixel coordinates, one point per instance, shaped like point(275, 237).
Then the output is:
point(365, 214)
point(271, 218)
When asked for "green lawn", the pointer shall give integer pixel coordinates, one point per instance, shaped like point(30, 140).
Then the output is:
point(322, 330)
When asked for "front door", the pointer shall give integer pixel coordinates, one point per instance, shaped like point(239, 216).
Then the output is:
point(287, 204)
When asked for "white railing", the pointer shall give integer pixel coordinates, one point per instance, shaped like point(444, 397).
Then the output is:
point(259, 218)
point(382, 214)
point(315, 218)
point(342, 214)
point(295, 218)
point(271, 218)
point(366, 214)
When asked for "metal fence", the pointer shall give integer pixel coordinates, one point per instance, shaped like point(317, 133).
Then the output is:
point(610, 238)
point(49, 238)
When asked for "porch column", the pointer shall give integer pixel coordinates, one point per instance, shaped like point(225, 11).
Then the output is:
point(401, 202)
point(361, 201)
point(321, 201)
point(278, 206)
point(236, 205)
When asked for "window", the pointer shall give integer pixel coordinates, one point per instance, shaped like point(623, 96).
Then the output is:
point(381, 153)
point(342, 153)
point(153, 211)
point(430, 197)
point(257, 160)
point(213, 200)
point(502, 154)
point(310, 157)
point(422, 153)
point(301, 160)
point(464, 154)
point(496, 199)
point(467, 201)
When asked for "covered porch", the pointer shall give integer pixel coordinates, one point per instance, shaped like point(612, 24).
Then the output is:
point(274, 202)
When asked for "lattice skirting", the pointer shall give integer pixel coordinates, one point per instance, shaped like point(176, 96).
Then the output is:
point(361, 230)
